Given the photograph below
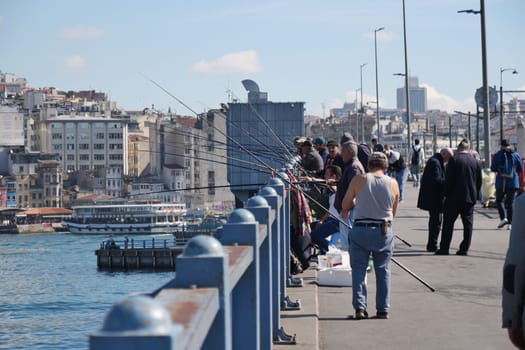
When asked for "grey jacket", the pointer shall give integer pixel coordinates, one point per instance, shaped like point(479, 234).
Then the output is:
point(513, 292)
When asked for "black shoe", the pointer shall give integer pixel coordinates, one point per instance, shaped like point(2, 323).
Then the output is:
point(461, 252)
point(383, 315)
point(360, 314)
point(431, 249)
point(441, 252)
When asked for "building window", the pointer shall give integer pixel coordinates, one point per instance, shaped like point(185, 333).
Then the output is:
point(56, 136)
point(83, 157)
point(70, 146)
point(99, 135)
point(70, 157)
point(83, 146)
point(98, 146)
point(98, 157)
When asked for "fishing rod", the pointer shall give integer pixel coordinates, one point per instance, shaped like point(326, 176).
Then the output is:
point(284, 178)
point(194, 188)
point(213, 160)
point(228, 148)
point(267, 126)
point(246, 132)
point(178, 131)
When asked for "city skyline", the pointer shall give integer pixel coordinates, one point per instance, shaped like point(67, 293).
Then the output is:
point(295, 50)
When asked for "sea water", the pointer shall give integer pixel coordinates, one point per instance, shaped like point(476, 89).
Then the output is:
point(52, 296)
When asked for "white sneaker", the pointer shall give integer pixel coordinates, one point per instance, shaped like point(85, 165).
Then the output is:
point(509, 227)
point(503, 223)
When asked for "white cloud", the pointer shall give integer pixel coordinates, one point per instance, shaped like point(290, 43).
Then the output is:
point(438, 100)
point(81, 33)
point(235, 62)
point(75, 63)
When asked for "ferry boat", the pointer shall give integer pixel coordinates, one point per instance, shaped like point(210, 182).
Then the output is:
point(126, 218)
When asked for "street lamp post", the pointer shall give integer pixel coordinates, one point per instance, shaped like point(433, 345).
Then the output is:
point(407, 101)
point(377, 85)
point(486, 112)
point(361, 104)
point(501, 70)
point(356, 116)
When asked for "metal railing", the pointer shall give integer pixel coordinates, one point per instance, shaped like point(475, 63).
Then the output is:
point(235, 282)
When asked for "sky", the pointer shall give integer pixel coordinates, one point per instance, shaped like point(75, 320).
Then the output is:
point(295, 50)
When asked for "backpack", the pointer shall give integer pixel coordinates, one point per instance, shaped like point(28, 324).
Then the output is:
point(398, 165)
point(363, 154)
point(415, 156)
point(508, 169)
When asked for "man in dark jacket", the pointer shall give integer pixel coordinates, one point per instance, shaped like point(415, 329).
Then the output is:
point(311, 161)
point(431, 194)
point(462, 185)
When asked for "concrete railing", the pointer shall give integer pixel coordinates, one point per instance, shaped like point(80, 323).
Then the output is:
point(237, 282)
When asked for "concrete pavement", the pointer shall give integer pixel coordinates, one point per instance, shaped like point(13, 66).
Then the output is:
point(463, 313)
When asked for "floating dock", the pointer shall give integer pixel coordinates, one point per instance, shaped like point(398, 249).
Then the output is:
point(132, 255)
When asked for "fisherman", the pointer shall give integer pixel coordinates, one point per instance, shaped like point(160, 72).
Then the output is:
point(373, 198)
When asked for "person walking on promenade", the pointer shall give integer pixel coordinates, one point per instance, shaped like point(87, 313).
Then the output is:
point(431, 194)
point(376, 146)
point(513, 291)
point(373, 199)
point(462, 185)
point(507, 165)
point(417, 158)
point(397, 168)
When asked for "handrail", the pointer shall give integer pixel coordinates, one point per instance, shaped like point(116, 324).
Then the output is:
point(220, 284)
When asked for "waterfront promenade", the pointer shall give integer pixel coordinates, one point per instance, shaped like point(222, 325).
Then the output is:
point(463, 313)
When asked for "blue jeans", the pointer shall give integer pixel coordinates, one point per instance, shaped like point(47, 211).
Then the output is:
point(401, 178)
point(344, 230)
point(508, 194)
point(363, 242)
point(320, 232)
point(415, 170)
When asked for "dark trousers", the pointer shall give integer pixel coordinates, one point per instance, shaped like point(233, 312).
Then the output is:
point(505, 196)
point(434, 226)
point(451, 210)
point(320, 232)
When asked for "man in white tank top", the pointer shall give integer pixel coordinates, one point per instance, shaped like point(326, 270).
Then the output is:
point(373, 198)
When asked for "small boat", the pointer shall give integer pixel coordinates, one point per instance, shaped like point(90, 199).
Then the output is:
point(119, 217)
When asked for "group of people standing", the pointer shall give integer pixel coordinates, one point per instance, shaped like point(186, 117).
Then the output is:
point(450, 187)
point(362, 211)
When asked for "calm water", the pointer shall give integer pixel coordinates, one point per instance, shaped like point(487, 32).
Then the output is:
point(51, 294)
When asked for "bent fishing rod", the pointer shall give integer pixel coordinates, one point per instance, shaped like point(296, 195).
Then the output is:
point(192, 110)
point(284, 178)
point(176, 131)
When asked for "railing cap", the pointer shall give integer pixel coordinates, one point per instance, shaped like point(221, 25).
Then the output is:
point(257, 202)
point(275, 182)
point(138, 313)
point(241, 216)
point(267, 191)
point(203, 245)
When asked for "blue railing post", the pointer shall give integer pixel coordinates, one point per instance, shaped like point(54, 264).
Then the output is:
point(137, 322)
point(242, 229)
point(279, 335)
point(204, 263)
point(263, 214)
